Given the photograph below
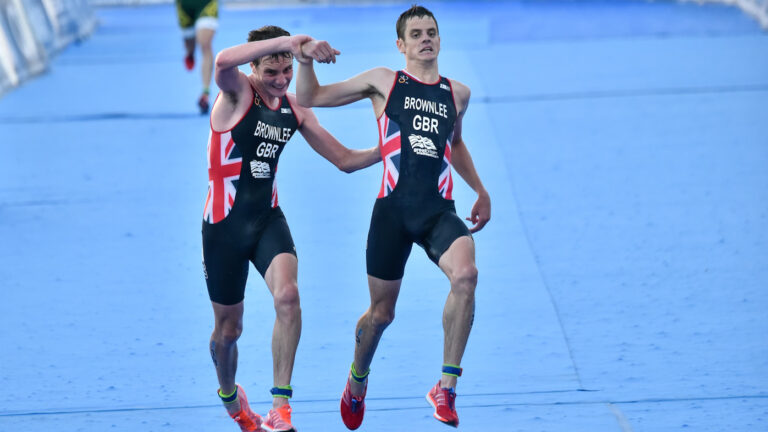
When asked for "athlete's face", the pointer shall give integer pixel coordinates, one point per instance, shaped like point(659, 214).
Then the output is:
point(422, 41)
point(275, 74)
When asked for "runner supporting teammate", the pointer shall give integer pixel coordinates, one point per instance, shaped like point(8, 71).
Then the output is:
point(419, 115)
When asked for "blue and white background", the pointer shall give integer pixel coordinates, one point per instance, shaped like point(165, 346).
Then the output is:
point(623, 276)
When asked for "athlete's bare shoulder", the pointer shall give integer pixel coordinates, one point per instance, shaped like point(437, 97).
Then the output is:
point(231, 105)
point(299, 111)
point(381, 74)
point(461, 94)
point(377, 81)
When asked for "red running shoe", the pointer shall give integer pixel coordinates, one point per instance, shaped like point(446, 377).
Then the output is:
point(352, 407)
point(279, 420)
point(189, 62)
point(248, 420)
point(203, 104)
point(444, 402)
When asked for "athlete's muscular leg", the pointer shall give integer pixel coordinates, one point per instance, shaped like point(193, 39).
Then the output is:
point(371, 325)
point(205, 39)
point(189, 45)
point(223, 345)
point(458, 263)
point(281, 280)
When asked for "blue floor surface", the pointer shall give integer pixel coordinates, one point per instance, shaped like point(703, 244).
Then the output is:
point(622, 278)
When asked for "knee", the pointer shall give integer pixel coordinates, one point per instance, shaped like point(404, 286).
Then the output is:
point(205, 46)
point(287, 303)
point(228, 332)
point(464, 280)
point(382, 316)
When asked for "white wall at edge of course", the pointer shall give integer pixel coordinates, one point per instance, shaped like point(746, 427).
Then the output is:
point(756, 8)
point(33, 31)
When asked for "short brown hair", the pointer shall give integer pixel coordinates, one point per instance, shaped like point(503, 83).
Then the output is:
point(269, 32)
point(415, 11)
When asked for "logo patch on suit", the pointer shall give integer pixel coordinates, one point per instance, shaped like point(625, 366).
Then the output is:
point(423, 146)
point(260, 169)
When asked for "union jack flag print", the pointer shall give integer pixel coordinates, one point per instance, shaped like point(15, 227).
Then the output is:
point(445, 181)
point(274, 190)
point(389, 145)
point(224, 163)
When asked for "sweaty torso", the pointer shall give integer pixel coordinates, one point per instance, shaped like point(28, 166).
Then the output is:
point(242, 161)
point(415, 133)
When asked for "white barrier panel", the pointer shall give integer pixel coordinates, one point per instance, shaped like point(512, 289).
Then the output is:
point(756, 8)
point(257, 3)
point(72, 19)
point(127, 2)
point(40, 25)
point(8, 77)
point(31, 31)
point(26, 57)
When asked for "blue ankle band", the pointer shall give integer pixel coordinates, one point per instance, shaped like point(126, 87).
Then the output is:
point(228, 398)
point(452, 370)
point(282, 392)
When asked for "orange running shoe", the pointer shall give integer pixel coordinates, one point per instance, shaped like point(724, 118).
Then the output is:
point(203, 103)
point(352, 407)
point(189, 61)
point(279, 420)
point(444, 402)
point(248, 420)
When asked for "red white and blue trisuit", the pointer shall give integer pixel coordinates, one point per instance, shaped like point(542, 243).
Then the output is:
point(242, 221)
point(414, 204)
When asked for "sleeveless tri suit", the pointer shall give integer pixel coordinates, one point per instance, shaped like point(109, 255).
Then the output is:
point(242, 221)
point(415, 202)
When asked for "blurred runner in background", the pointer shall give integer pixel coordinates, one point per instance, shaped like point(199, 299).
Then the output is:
point(199, 20)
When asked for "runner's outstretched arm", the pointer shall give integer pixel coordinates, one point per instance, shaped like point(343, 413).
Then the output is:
point(311, 94)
